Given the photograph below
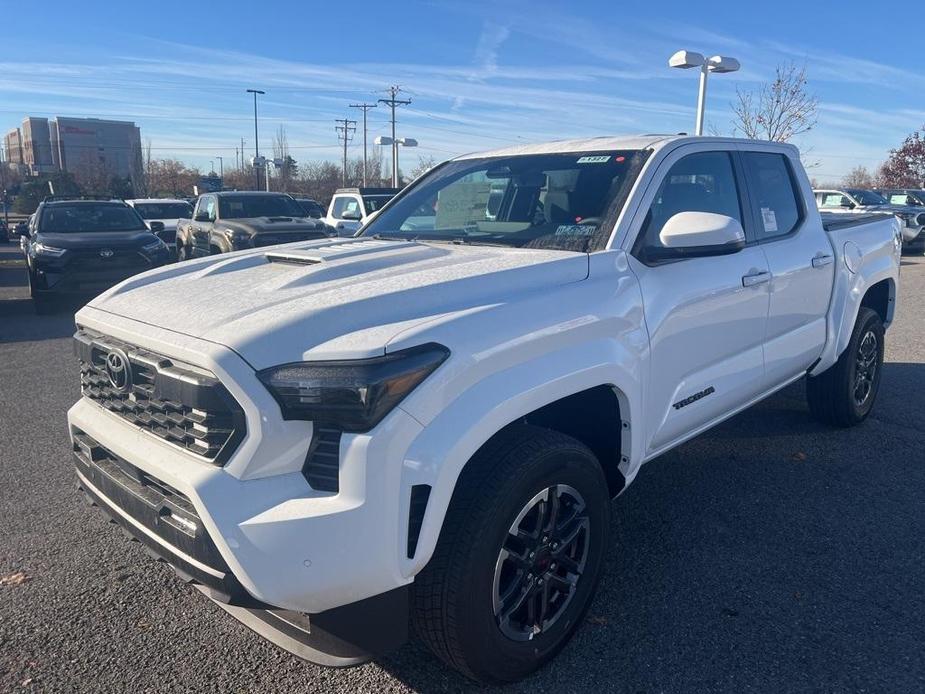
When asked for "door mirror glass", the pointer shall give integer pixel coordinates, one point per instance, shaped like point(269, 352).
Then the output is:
point(697, 235)
point(351, 215)
point(156, 227)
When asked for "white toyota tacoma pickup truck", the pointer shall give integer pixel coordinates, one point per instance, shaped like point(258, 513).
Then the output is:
point(426, 424)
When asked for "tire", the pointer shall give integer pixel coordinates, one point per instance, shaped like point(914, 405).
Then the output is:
point(468, 581)
point(41, 304)
point(844, 394)
point(183, 253)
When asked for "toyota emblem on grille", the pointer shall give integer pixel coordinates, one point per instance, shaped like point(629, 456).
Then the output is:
point(106, 253)
point(119, 370)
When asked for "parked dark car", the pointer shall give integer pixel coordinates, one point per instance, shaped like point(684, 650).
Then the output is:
point(312, 208)
point(21, 228)
point(4, 232)
point(82, 247)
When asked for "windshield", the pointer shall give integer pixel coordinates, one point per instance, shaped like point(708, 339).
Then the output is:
point(868, 197)
point(164, 210)
point(84, 216)
point(553, 201)
point(374, 202)
point(248, 206)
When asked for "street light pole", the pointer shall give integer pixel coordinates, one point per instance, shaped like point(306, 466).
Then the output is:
point(718, 63)
point(255, 92)
point(221, 166)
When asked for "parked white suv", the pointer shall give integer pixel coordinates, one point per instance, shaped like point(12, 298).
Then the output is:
point(350, 208)
point(433, 418)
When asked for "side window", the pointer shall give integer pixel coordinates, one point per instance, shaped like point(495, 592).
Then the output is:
point(834, 201)
point(702, 182)
point(210, 208)
point(771, 185)
point(352, 207)
point(339, 203)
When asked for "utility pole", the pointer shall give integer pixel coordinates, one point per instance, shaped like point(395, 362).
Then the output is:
point(345, 129)
point(221, 166)
point(392, 102)
point(365, 108)
point(255, 92)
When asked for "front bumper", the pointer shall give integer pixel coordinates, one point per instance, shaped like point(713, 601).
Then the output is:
point(287, 544)
point(164, 521)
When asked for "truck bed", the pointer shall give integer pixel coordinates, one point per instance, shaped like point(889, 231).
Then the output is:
point(833, 221)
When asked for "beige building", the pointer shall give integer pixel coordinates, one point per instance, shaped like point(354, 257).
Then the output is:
point(82, 146)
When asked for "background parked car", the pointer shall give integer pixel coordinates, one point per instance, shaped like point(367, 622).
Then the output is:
point(4, 231)
point(82, 247)
point(860, 200)
point(312, 207)
point(351, 207)
point(166, 211)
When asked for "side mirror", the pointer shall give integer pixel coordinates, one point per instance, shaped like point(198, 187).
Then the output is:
point(156, 227)
point(698, 235)
point(847, 204)
point(351, 215)
point(201, 217)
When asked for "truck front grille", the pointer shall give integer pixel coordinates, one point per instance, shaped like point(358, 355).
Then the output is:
point(178, 403)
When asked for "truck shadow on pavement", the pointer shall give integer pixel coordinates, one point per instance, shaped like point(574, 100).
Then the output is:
point(770, 554)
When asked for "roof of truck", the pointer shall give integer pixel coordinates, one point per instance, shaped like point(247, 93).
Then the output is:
point(606, 143)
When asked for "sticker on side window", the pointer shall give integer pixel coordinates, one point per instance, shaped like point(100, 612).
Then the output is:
point(769, 219)
point(597, 159)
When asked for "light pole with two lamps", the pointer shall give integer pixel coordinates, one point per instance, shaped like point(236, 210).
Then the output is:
point(402, 141)
point(718, 64)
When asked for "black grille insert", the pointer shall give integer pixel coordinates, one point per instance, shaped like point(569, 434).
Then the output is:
point(185, 406)
point(322, 464)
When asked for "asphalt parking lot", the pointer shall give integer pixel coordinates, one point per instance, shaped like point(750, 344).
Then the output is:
point(770, 554)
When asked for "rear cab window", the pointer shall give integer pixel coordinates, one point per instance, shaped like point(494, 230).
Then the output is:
point(772, 188)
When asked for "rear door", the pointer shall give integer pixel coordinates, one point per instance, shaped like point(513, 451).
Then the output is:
point(800, 258)
point(705, 316)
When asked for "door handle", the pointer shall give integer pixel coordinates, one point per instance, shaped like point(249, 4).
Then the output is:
point(756, 278)
point(822, 260)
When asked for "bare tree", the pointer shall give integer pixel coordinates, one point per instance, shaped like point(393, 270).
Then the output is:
point(424, 165)
point(858, 177)
point(779, 110)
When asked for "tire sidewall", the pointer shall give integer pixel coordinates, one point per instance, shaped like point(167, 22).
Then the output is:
point(870, 321)
point(489, 650)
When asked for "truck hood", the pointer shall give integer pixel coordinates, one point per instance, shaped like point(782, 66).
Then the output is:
point(96, 239)
point(332, 299)
point(258, 225)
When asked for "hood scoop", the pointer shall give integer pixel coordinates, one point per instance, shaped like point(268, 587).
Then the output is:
point(283, 259)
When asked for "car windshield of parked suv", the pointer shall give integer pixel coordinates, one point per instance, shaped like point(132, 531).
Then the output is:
point(374, 202)
point(562, 201)
point(868, 197)
point(249, 206)
point(81, 217)
point(164, 210)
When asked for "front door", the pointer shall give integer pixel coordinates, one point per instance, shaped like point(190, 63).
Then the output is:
point(706, 316)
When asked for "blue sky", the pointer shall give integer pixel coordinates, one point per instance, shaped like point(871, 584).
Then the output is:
point(480, 74)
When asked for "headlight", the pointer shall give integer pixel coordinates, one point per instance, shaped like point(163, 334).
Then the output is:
point(920, 219)
point(351, 395)
point(154, 246)
point(51, 251)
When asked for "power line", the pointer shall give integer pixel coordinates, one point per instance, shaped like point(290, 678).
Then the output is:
point(345, 129)
point(392, 102)
point(365, 108)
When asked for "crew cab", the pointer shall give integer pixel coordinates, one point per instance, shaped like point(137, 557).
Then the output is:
point(161, 216)
point(350, 208)
point(230, 221)
point(430, 420)
point(83, 246)
point(860, 200)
